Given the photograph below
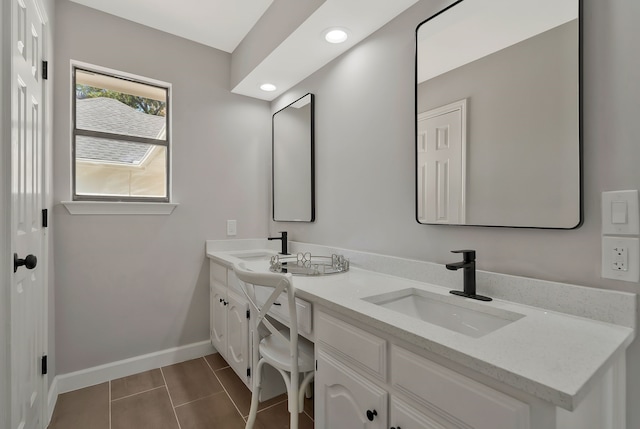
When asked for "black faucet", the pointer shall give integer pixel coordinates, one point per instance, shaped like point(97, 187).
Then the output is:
point(468, 264)
point(283, 237)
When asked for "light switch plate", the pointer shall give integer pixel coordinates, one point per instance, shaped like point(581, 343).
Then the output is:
point(612, 207)
point(621, 258)
point(232, 227)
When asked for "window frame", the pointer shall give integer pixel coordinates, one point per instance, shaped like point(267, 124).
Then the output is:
point(75, 132)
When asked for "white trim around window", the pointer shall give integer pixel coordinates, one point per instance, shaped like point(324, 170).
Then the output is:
point(118, 208)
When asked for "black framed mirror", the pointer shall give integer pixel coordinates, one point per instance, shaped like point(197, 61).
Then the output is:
point(293, 175)
point(498, 116)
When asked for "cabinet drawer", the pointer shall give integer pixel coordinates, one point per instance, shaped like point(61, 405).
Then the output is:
point(303, 310)
point(359, 347)
point(440, 389)
point(280, 309)
point(217, 273)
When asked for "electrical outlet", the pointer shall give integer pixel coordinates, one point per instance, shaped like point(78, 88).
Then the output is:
point(232, 227)
point(621, 258)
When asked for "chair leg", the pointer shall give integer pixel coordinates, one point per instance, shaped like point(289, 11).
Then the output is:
point(308, 391)
point(255, 395)
point(293, 404)
point(305, 387)
point(293, 416)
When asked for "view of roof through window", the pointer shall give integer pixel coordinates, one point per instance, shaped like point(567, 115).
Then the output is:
point(121, 137)
point(113, 116)
point(117, 106)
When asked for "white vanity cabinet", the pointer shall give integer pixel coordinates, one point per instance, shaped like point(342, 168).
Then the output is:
point(229, 321)
point(556, 367)
point(230, 330)
point(344, 398)
point(358, 371)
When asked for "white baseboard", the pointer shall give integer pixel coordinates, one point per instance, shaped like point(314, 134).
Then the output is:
point(52, 398)
point(100, 374)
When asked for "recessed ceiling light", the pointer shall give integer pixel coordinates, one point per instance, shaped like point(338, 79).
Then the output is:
point(335, 35)
point(268, 87)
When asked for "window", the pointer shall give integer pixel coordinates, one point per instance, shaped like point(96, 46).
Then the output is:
point(120, 137)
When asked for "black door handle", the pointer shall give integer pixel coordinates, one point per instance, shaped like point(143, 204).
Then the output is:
point(29, 262)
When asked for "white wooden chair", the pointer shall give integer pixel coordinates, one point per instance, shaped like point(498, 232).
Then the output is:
point(280, 348)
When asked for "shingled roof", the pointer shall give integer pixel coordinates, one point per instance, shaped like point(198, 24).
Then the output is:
point(112, 116)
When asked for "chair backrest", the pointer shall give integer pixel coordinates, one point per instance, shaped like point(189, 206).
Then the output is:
point(276, 283)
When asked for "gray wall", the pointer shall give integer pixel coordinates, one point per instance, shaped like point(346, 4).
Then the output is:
point(130, 285)
point(519, 173)
point(364, 148)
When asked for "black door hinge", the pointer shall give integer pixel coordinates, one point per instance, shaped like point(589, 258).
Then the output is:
point(44, 365)
point(45, 70)
point(45, 218)
point(248, 314)
point(248, 372)
point(316, 364)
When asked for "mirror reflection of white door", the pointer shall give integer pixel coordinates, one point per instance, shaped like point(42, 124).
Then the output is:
point(28, 298)
point(442, 164)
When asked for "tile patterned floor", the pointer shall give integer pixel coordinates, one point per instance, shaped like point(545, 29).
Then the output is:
point(202, 393)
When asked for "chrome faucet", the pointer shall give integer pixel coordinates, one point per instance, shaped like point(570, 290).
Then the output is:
point(283, 237)
point(468, 264)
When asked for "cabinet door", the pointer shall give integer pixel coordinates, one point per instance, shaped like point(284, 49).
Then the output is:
point(219, 318)
point(404, 416)
point(345, 399)
point(237, 335)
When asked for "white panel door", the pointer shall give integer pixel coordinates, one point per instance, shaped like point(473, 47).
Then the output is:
point(238, 335)
point(219, 318)
point(346, 400)
point(28, 386)
point(441, 164)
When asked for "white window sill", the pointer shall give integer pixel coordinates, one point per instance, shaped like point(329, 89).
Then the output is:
point(118, 208)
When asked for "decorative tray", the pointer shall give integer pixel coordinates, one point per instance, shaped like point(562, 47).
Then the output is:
point(306, 264)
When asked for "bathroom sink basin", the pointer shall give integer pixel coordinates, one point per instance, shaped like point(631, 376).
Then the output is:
point(253, 255)
point(451, 313)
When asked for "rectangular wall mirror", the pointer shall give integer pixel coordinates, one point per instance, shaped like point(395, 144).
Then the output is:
point(498, 114)
point(293, 162)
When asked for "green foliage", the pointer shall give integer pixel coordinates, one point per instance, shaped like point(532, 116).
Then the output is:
point(142, 104)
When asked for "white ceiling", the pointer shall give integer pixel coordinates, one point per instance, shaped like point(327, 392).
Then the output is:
point(222, 24)
point(306, 51)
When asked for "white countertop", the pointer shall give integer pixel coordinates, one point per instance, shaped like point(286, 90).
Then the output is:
point(551, 355)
